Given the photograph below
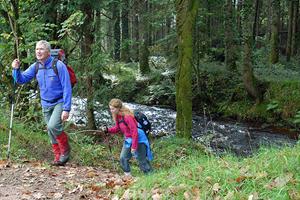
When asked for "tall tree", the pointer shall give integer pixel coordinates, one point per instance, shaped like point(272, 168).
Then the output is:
point(135, 30)
point(274, 53)
point(290, 30)
point(294, 28)
point(117, 31)
point(186, 11)
point(125, 56)
point(230, 45)
point(250, 82)
point(256, 19)
point(144, 38)
point(86, 44)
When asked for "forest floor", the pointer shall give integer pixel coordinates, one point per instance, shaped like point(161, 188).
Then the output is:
point(34, 180)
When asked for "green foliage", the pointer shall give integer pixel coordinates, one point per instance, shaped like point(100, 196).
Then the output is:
point(273, 106)
point(297, 118)
point(270, 174)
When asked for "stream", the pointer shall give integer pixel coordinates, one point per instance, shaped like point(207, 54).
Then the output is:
point(218, 137)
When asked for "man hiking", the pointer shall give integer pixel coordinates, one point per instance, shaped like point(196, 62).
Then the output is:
point(56, 95)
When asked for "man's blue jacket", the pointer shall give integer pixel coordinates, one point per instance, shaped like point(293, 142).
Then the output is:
point(54, 88)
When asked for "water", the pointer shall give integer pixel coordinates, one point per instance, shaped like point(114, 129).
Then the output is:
point(217, 137)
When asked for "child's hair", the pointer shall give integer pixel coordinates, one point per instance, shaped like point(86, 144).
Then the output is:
point(117, 103)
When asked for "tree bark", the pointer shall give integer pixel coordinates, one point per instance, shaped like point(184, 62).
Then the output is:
point(250, 82)
point(294, 28)
point(144, 39)
point(256, 20)
point(185, 22)
point(230, 46)
point(117, 31)
point(274, 53)
point(290, 30)
point(125, 56)
point(87, 42)
point(135, 31)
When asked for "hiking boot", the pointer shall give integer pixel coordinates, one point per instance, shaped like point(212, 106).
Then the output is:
point(65, 149)
point(56, 152)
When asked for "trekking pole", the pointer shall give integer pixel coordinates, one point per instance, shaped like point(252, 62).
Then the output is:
point(14, 30)
point(110, 149)
point(11, 119)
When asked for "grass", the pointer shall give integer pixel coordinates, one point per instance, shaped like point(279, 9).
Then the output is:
point(270, 174)
point(182, 168)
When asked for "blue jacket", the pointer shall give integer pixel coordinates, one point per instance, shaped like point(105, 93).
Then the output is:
point(53, 89)
point(142, 138)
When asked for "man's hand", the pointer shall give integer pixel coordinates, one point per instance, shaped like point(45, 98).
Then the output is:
point(15, 64)
point(64, 116)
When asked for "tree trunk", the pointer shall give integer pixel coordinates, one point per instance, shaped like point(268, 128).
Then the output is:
point(269, 22)
point(87, 42)
point(230, 46)
point(290, 30)
point(256, 20)
point(250, 82)
point(125, 56)
point(294, 28)
point(239, 21)
point(144, 39)
point(274, 53)
point(185, 19)
point(135, 30)
point(117, 31)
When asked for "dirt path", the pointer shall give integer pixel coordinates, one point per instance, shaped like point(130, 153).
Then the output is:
point(34, 181)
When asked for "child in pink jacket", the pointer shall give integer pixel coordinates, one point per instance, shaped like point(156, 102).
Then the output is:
point(126, 123)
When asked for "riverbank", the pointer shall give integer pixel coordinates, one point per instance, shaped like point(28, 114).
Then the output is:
point(183, 169)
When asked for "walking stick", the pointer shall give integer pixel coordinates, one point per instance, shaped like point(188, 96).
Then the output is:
point(14, 30)
point(11, 119)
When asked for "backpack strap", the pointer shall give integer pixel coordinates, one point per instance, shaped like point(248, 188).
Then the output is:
point(54, 66)
point(123, 121)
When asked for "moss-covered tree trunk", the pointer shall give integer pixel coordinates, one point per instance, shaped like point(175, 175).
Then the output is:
point(274, 42)
point(117, 31)
point(87, 42)
point(294, 28)
point(230, 45)
point(185, 21)
point(250, 82)
point(290, 31)
point(135, 30)
point(144, 39)
point(125, 56)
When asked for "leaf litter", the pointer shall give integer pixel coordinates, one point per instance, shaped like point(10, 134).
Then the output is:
point(32, 180)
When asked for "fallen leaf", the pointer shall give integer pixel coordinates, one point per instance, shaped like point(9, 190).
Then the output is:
point(187, 195)
point(196, 192)
point(208, 179)
point(155, 190)
point(216, 188)
point(156, 196)
point(280, 181)
point(240, 179)
point(126, 195)
point(229, 195)
point(57, 195)
point(91, 174)
point(253, 196)
point(95, 188)
point(38, 195)
point(261, 175)
point(294, 195)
